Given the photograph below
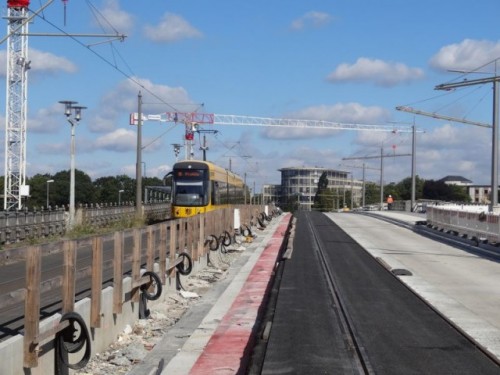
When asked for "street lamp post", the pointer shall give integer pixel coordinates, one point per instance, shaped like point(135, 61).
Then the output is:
point(120, 197)
point(69, 108)
point(48, 182)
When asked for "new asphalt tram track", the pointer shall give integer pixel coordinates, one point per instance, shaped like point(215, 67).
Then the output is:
point(340, 311)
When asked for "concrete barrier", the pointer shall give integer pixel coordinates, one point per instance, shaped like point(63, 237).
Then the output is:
point(11, 350)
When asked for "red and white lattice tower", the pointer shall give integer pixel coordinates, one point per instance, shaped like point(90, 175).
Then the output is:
point(16, 104)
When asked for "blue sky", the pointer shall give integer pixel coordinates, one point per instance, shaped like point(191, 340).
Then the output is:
point(350, 61)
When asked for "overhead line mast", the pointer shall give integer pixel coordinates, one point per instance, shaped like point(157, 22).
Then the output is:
point(15, 187)
point(16, 104)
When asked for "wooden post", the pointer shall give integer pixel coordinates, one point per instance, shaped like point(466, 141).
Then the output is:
point(95, 309)
point(201, 237)
point(163, 252)
point(118, 273)
point(68, 285)
point(182, 235)
point(190, 237)
point(150, 255)
point(32, 306)
point(172, 250)
point(136, 263)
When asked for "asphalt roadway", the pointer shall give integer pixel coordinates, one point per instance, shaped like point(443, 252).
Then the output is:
point(462, 286)
point(397, 332)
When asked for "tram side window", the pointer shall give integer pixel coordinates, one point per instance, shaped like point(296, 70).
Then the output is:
point(215, 193)
point(224, 193)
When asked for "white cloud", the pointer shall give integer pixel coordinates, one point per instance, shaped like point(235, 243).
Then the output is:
point(444, 150)
point(53, 148)
point(41, 61)
point(467, 55)
point(310, 157)
point(47, 120)
point(120, 140)
point(171, 28)
point(311, 19)
point(122, 99)
point(120, 21)
point(345, 112)
point(377, 71)
point(340, 113)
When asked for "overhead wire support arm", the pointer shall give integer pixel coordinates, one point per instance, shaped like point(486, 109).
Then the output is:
point(120, 37)
point(466, 82)
point(374, 156)
point(494, 206)
point(26, 21)
point(441, 117)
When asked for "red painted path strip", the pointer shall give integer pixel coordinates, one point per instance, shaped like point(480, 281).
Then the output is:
point(225, 351)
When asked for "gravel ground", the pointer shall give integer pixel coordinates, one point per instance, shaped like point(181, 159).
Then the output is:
point(133, 344)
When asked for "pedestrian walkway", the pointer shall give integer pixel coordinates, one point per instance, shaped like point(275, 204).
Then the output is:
point(215, 336)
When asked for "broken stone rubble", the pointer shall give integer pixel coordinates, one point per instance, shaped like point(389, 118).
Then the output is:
point(133, 344)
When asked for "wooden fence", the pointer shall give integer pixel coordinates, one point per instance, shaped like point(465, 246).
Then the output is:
point(160, 243)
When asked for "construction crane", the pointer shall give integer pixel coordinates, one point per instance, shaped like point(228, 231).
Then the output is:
point(192, 120)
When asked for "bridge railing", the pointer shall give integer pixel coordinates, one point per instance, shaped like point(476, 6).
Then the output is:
point(19, 226)
point(163, 246)
point(470, 221)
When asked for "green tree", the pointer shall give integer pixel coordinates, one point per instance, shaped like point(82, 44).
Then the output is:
point(372, 193)
point(84, 188)
point(438, 190)
point(38, 191)
point(107, 189)
point(323, 197)
point(403, 188)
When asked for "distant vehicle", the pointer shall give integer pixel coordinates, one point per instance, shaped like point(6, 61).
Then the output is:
point(201, 186)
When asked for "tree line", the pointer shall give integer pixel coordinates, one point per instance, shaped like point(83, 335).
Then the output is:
point(327, 198)
point(102, 190)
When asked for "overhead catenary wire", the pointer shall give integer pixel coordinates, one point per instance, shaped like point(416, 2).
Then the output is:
point(462, 78)
point(105, 60)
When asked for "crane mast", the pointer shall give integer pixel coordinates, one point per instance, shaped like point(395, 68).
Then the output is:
point(16, 104)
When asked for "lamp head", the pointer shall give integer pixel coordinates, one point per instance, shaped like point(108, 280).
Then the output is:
point(78, 112)
point(68, 104)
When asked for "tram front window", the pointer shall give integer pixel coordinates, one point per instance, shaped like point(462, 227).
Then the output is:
point(189, 194)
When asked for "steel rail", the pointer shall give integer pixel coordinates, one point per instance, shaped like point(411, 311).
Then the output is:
point(359, 357)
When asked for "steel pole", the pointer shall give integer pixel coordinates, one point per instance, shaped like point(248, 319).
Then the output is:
point(413, 168)
point(381, 178)
point(138, 166)
point(72, 178)
point(494, 158)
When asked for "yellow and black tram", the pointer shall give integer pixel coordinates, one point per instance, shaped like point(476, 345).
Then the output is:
point(201, 186)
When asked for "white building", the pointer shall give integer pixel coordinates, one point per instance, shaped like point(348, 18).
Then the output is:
point(301, 183)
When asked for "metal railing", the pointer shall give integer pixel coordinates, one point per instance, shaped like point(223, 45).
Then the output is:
point(19, 226)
